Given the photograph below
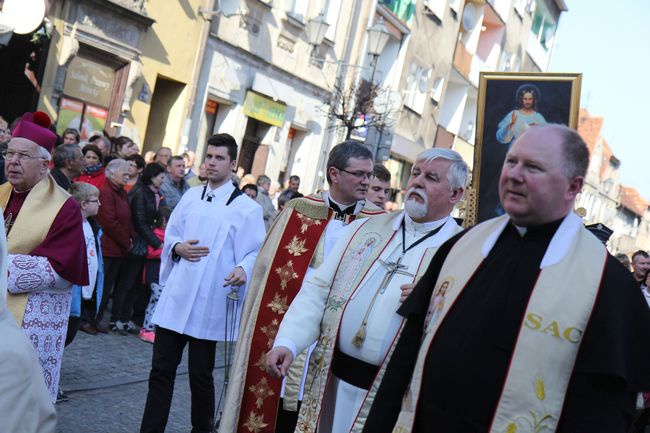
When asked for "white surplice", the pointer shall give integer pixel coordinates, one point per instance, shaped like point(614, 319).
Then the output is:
point(333, 231)
point(194, 299)
point(301, 324)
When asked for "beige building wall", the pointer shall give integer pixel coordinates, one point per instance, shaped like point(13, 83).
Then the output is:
point(170, 57)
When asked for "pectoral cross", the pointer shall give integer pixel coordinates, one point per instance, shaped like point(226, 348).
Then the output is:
point(392, 268)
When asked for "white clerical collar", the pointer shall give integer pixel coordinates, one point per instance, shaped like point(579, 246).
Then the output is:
point(521, 230)
point(425, 227)
point(220, 192)
point(557, 248)
point(327, 197)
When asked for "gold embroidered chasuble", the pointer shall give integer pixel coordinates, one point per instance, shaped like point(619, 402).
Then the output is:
point(295, 241)
point(28, 231)
point(369, 242)
point(556, 316)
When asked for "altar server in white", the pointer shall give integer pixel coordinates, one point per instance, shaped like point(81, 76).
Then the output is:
point(211, 243)
point(349, 304)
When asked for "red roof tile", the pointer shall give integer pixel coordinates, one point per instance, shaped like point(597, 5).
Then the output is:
point(632, 200)
point(589, 128)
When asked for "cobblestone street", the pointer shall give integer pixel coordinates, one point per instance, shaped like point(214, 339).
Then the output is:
point(105, 377)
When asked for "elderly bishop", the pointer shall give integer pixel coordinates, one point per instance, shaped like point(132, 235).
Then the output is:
point(47, 251)
point(349, 304)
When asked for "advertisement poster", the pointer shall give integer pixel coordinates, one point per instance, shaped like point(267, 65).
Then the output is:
point(70, 113)
point(94, 122)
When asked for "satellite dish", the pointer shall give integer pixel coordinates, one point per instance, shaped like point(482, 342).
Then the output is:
point(470, 17)
point(24, 16)
point(423, 80)
point(229, 8)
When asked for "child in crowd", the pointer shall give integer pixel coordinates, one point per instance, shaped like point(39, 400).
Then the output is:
point(85, 300)
point(151, 272)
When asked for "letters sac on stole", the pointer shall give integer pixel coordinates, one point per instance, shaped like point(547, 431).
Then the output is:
point(537, 322)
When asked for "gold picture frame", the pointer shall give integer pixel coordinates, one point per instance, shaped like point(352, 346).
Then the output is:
point(501, 94)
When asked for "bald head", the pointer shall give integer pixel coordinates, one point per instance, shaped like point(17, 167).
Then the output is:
point(542, 174)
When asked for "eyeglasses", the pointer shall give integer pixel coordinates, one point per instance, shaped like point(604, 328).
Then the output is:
point(10, 154)
point(92, 201)
point(358, 174)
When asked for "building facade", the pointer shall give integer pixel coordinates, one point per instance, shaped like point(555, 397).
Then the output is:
point(123, 67)
point(263, 83)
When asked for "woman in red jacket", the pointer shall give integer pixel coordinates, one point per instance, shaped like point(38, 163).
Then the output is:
point(93, 172)
point(120, 271)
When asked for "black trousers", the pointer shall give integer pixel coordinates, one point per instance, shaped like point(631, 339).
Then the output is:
point(167, 351)
point(122, 279)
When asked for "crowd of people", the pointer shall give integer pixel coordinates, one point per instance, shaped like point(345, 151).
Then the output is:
point(345, 316)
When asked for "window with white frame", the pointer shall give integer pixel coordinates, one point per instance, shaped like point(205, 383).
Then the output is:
point(544, 26)
point(332, 9)
point(296, 9)
point(437, 7)
point(413, 97)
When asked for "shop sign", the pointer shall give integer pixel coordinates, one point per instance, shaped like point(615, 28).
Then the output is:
point(264, 109)
point(89, 81)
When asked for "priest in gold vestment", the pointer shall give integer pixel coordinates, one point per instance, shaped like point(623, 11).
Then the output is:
point(298, 241)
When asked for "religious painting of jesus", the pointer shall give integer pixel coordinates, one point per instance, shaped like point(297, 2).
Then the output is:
point(509, 104)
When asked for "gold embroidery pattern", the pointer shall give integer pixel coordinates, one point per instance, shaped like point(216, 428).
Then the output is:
point(271, 331)
point(296, 247)
point(261, 391)
point(261, 363)
point(255, 423)
point(279, 304)
point(537, 421)
point(286, 274)
point(307, 222)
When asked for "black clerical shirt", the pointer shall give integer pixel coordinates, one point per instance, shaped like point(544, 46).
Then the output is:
point(467, 362)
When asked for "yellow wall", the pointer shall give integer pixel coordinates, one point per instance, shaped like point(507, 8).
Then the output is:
point(45, 102)
point(170, 49)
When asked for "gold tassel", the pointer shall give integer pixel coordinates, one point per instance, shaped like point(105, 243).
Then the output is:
point(357, 341)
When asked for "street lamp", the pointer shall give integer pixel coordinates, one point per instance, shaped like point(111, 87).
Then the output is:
point(316, 29)
point(378, 36)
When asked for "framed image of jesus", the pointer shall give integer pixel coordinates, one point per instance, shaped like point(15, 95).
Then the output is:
point(508, 104)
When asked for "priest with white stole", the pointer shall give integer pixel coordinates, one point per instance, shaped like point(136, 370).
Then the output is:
point(211, 242)
point(348, 305)
point(524, 323)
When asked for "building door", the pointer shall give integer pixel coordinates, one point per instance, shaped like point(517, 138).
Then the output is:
point(164, 102)
point(247, 154)
point(253, 154)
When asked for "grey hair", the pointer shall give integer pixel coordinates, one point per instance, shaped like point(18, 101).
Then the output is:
point(263, 179)
point(457, 174)
point(115, 165)
point(341, 154)
point(43, 153)
point(64, 153)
